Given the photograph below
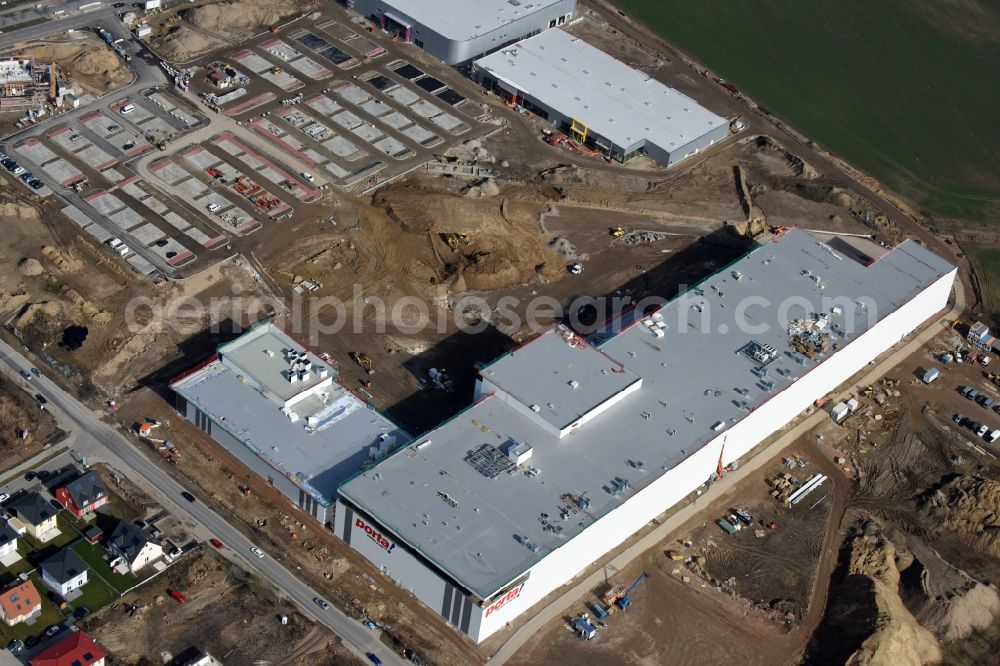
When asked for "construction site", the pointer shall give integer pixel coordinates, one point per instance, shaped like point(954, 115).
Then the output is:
point(25, 84)
point(358, 170)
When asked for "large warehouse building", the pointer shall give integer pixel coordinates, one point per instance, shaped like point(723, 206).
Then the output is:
point(277, 408)
point(570, 446)
point(599, 101)
point(455, 32)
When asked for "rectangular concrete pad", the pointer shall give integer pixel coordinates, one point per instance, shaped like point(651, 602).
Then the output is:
point(450, 123)
point(96, 158)
point(37, 152)
point(126, 219)
point(403, 95)
point(368, 133)
point(352, 93)
point(420, 135)
point(104, 203)
point(347, 120)
point(323, 104)
point(176, 221)
point(140, 265)
point(253, 102)
point(342, 147)
point(393, 148)
point(77, 216)
point(310, 68)
point(252, 61)
point(147, 234)
point(397, 120)
point(101, 234)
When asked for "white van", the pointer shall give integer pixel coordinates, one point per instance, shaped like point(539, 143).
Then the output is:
point(123, 250)
point(114, 243)
point(128, 108)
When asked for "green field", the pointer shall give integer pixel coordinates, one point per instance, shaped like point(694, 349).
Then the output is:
point(906, 90)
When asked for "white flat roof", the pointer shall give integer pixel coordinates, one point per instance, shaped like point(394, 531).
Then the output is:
point(262, 354)
point(486, 528)
point(456, 20)
point(580, 81)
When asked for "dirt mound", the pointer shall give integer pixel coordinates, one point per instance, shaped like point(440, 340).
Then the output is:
point(480, 244)
point(182, 43)
point(86, 308)
point(866, 622)
point(970, 507)
point(64, 260)
point(10, 302)
point(96, 61)
point(30, 267)
point(19, 211)
point(241, 18)
point(799, 167)
point(49, 309)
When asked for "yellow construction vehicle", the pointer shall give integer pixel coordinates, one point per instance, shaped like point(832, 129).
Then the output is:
point(364, 361)
point(616, 232)
point(455, 240)
point(276, 71)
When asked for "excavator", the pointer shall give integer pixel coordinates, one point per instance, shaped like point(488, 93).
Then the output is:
point(364, 361)
point(616, 232)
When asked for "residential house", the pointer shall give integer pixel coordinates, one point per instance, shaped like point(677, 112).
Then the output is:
point(77, 649)
point(64, 572)
point(84, 495)
point(8, 541)
point(20, 603)
point(33, 514)
point(133, 546)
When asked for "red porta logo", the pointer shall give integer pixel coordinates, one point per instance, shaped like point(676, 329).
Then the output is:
point(513, 593)
point(375, 535)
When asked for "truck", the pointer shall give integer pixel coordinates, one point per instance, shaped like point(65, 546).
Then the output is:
point(930, 375)
point(725, 525)
point(583, 628)
point(600, 612)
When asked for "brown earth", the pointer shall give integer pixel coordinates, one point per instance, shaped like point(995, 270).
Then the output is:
point(86, 61)
point(24, 428)
point(230, 613)
point(969, 507)
point(182, 34)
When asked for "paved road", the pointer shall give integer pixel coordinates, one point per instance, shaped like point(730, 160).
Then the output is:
point(99, 441)
point(572, 596)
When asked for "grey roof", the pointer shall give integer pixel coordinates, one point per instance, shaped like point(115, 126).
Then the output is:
point(128, 539)
point(474, 528)
point(32, 507)
point(318, 457)
point(455, 20)
point(87, 489)
point(64, 566)
point(260, 354)
point(7, 533)
point(617, 102)
point(567, 380)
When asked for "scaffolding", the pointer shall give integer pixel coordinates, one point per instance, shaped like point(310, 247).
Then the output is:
point(23, 84)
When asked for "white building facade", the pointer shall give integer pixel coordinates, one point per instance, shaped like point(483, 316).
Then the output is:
point(449, 543)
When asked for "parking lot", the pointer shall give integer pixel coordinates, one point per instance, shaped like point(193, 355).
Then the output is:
point(88, 160)
point(339, 102)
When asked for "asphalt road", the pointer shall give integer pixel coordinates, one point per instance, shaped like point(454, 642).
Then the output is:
point(92, 437)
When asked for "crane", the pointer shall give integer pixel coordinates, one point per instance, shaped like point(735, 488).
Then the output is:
point(623, 601)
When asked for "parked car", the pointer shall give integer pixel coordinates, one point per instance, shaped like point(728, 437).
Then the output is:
point(215, 542)
point(992, 437)
point(257, 551)
point(973, 394)
point(173, 554)
point(322, 603)
point(26, 375)
point(973, 425)
point(176, 594)
point(53, 630)
point(957, 418)
point(369, 624)
point(29, 476)
point(4, 497)
point(31, 641)
point(372, 657)
point(43, 474)
point(36, 372)
point(81, 613)
point(982, 430)
point(36, 184)
point(964, 391)
point(15, 645)
point(188, 496)
point(55, 504)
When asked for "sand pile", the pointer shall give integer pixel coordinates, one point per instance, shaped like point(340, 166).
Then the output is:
point(969, 507)
point(9, 302)
point(241, 18)
point(19, 211)
point(97, 61)
point(866, 621)
point(30, 267)
point(897, 637)
point(65, 261)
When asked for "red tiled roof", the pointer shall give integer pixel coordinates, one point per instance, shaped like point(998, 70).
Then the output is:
point(77, 648)
point(20, 600)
